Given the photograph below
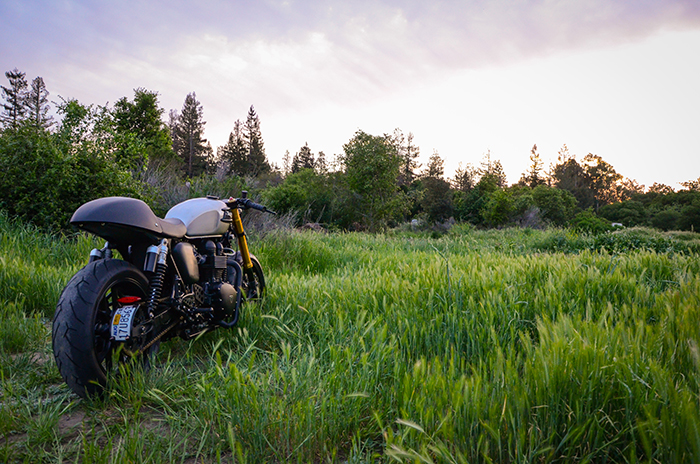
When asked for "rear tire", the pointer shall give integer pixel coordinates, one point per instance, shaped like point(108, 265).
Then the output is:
point(80, 335)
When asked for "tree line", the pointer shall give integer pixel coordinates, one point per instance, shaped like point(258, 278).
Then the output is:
point(52, 166)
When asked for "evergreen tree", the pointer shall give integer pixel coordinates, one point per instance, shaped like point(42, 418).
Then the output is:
point(408, 154)
point(303, 159)
point(465, 177)
point(257, 161)
point(187, 132)
point(320, 164)
point(533, 177)
point(286, 164)
point(37, 105)
point(436, 166)
point(235, 154)
point(15, 95)
point(493, 170)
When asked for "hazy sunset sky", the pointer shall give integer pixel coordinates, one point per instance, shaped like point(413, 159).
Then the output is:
point(617, 78)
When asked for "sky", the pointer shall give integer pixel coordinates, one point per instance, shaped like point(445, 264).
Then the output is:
point(616, 78)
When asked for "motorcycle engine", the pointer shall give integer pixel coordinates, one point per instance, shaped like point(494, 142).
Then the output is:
point(217, 276)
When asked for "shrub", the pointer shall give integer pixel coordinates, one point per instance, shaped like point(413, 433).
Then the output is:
point(587, 221)
point(44, 181)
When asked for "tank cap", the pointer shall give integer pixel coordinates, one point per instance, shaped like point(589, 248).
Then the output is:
point(212, 197)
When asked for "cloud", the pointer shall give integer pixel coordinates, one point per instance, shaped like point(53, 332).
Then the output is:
point(292, 59)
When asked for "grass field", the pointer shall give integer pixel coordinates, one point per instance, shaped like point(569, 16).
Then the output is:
point(476, 346)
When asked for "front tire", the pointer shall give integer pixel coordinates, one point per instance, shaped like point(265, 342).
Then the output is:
point(253, 281)
point(80, 335)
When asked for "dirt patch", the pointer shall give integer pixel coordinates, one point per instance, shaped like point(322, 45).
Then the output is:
point(69, 422)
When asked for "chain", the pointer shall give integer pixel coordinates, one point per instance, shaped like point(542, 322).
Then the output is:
point(157, 337)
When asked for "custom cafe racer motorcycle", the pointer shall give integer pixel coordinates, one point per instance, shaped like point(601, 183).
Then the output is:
point(175, 276)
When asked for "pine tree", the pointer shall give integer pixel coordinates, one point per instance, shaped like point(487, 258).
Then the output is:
point(493, 169)
point(321, 165)
point(533, 177)
point(408, 153)
point(257, 161)
point(235, 154)
point(436, 166)
point(187, 131)
point(304, 159)
point(15, 95)
point(465, 177)
point(37, 105)
point(286, 163)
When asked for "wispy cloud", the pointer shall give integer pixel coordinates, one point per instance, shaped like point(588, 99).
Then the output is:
point(292, 57)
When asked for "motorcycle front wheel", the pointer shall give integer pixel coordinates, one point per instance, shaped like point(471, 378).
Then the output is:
point(254, 288)
point(83, 348)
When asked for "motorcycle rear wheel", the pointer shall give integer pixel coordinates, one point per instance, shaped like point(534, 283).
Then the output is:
point(81, 336)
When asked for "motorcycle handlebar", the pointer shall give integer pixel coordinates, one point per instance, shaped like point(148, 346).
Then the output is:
point(247, 203)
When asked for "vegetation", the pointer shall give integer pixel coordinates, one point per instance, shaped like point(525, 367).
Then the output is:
point(478, 346)
point(479, 322)
point(374, 184)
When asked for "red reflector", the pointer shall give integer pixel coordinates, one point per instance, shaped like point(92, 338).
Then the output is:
point(129, 299)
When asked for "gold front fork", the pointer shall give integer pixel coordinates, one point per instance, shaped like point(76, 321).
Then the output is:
point(242, 242)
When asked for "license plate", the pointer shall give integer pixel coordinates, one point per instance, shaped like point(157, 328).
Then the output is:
point(121, 322)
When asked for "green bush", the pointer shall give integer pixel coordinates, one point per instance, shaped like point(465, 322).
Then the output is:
point(587, 221)
point(44, 181)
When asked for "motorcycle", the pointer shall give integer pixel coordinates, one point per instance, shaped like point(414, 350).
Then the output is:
point(175, 276)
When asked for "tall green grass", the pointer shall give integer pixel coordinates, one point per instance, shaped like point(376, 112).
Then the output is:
point(476, 346)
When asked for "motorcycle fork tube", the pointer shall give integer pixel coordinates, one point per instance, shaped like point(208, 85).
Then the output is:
point(242, 242)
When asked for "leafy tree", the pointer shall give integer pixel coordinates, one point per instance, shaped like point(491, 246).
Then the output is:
point(257, 161)
point(627, 188)
point(690, 216)
point(303, 159)
point(587, 221)
point(187, 132)
point(139, 122)
point(235, 154)
point(37, 105)
point(470, 206)
point(693, 185)
point(660, 188)
point(499, 208)
point(371, 166)
point(627, 213)
point(14, 107)
point(556, 206)
point(666, 219)
point(437, 195)
point(602, 180)
point(534, 176)
point(46, 176)
point(306, 193)
point(569, 175)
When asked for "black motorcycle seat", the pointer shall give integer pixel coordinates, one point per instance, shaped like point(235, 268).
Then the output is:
point(173, 227)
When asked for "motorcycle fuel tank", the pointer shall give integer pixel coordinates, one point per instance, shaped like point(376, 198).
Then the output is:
point(201, 216)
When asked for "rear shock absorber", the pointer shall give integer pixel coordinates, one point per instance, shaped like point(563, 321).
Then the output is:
point(157, 263)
